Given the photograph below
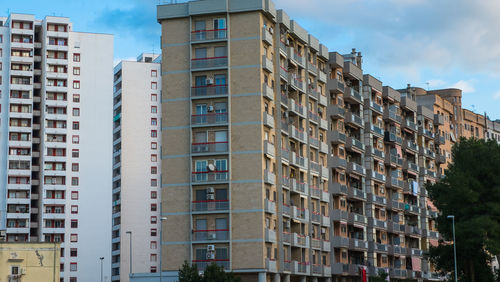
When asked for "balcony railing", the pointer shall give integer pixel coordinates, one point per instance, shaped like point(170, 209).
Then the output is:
point(209, 147)
point(210, 176)
point(209, 90)
point(284, 73)
point(208, 34)
point(210, 205)
point(202, 264)
point(209, 119)
point(213, 62)
point(215, 234)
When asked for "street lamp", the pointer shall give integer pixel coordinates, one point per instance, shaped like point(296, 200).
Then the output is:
point(101, 258)
point(162, 219)
point(454, 245)
point(130, 253)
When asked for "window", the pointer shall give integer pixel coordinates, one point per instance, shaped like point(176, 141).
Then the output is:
point(76, 71)
point(154, 97)
point(72, 279)
point(154, 109)
point(153, 257)
point(154, 145)
point(14, 270)
point(154, 182)
point(73, 237)
point(76, 98)
point(153, 245)
point(75, 139)
point(76, 84)
point(74, 195)
point(75, 167)
point(154, 195)
point(154, 220)
point(153, 231)
point(154, 85)
point(152, 269)
point(154, 133)
point(153, 207)
point(74, 209)
point(73, 266)
point(154, 170)
point(154, 73)
point(76, 112)
point(154, 121)
point(154, 158)
point(76, 125)
point(74, 181)
point(74, 223)
point(73, 252)
point(76, 57)
point(75, 153)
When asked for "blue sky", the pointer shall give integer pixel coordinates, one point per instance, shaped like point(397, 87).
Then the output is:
point(427, 43)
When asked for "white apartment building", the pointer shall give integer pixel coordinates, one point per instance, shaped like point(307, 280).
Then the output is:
point(136, 166)
point(492, 130)
point(55, 137)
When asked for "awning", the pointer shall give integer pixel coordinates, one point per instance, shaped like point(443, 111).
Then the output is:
point(416, 264)
point(433, 242)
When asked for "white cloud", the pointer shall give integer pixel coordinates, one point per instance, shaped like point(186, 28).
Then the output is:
point(496, 96)
point(465, 86)
point(434, 83)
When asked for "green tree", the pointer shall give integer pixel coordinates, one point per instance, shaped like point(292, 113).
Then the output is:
point(382, 276)
point(470, 191)
point(212, 273)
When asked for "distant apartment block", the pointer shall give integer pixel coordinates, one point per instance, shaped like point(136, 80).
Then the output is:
point(55, 87)
point(136, 166)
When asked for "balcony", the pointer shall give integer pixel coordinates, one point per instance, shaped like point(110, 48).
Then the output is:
point(325, 172)
point(395, 205)
point(441, 159)
point(323, 123)
point(410, 166)
point(267, 91)
point(358, 244)
point(408, 103)
point(340, 242)
point(336, 137)
point(209, 119)
point(392, 116)
point(299, 240)
point(208, 35)
point(379, 200)
point(267, 36)
point(209, 147)
point(426, 133)
point(325, 196)
point(302, 268)
point(269, 177)
point(296, 108)
point(210, 205)
point(427, 172)
point(284, 73)
point(377, 247)
point(335, 86)
point(335, 111)
point(413, 231)
point(338, 189)
point(295, 56)
point(211, 235)
point(300, 214)
point(209, 63)
point(376, 130)
point(356, 218)
point(202, 264)
point(394, 227)
point(322, 76)
point(210, 177)
point(373, 175)
point(313, 117)
point(427, 153)
point(270, 235)
point(377, 223)
point(439, 140)
point(337, 162)
point(297, 134)
point(316, 217)
point(398, 273)
point(438, 119)
point(269, 149)
point(297, 82)
point(353, 95)
point(325, 221)
point(354, 119)
point(409, 124)
point(410, 145)
point(374, 106)
point(346, 269)
point(209, 90)
point(393, 160)
point(285, 154)
point(271, 265)
point(353, 71)
point(355, 168)
point(354, 144)
point(325, 244)
point(267, 64)
point(323, 100)
point(268, 120)
point(356, 194)
point(339, 215)
point(269, 206)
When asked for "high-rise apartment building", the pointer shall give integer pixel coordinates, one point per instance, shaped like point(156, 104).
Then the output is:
point(493, 130)
point(53, 171)
point(284, 162)
point(136, 166)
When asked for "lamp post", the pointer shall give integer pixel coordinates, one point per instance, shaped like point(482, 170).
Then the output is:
point(130, 253)
point(454, 245)
point(101, 258)
point(162, 219)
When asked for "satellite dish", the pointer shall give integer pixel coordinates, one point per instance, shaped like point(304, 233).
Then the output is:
point(211, 167)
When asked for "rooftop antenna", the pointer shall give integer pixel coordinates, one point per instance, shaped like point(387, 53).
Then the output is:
point(427, 86)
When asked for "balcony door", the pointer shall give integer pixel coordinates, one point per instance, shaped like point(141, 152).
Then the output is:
point(221, 141)
point(220, 28)
point(221, 112)
point(200, 167)
point(201, 113)
point(200, 27)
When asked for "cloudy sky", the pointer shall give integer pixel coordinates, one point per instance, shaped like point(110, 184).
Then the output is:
point(427, 43)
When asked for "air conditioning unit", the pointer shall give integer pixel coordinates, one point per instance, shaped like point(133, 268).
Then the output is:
point(212, 236)
point(22, 271)
point(210, 190)
point(211, 248)
point(323, 231)
point(210, 197)
point(271, 30)
point(210, 81)
point(211, 108)
point(210, 255)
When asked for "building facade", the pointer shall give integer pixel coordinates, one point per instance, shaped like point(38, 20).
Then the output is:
point(493, 130)
point(29, 262)
point(54, 97)
point(136, 166)
point(285, 162)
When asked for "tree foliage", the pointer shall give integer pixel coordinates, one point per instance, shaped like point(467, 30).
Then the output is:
point(470, 191)
point(213, 273)
point(381, 277)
